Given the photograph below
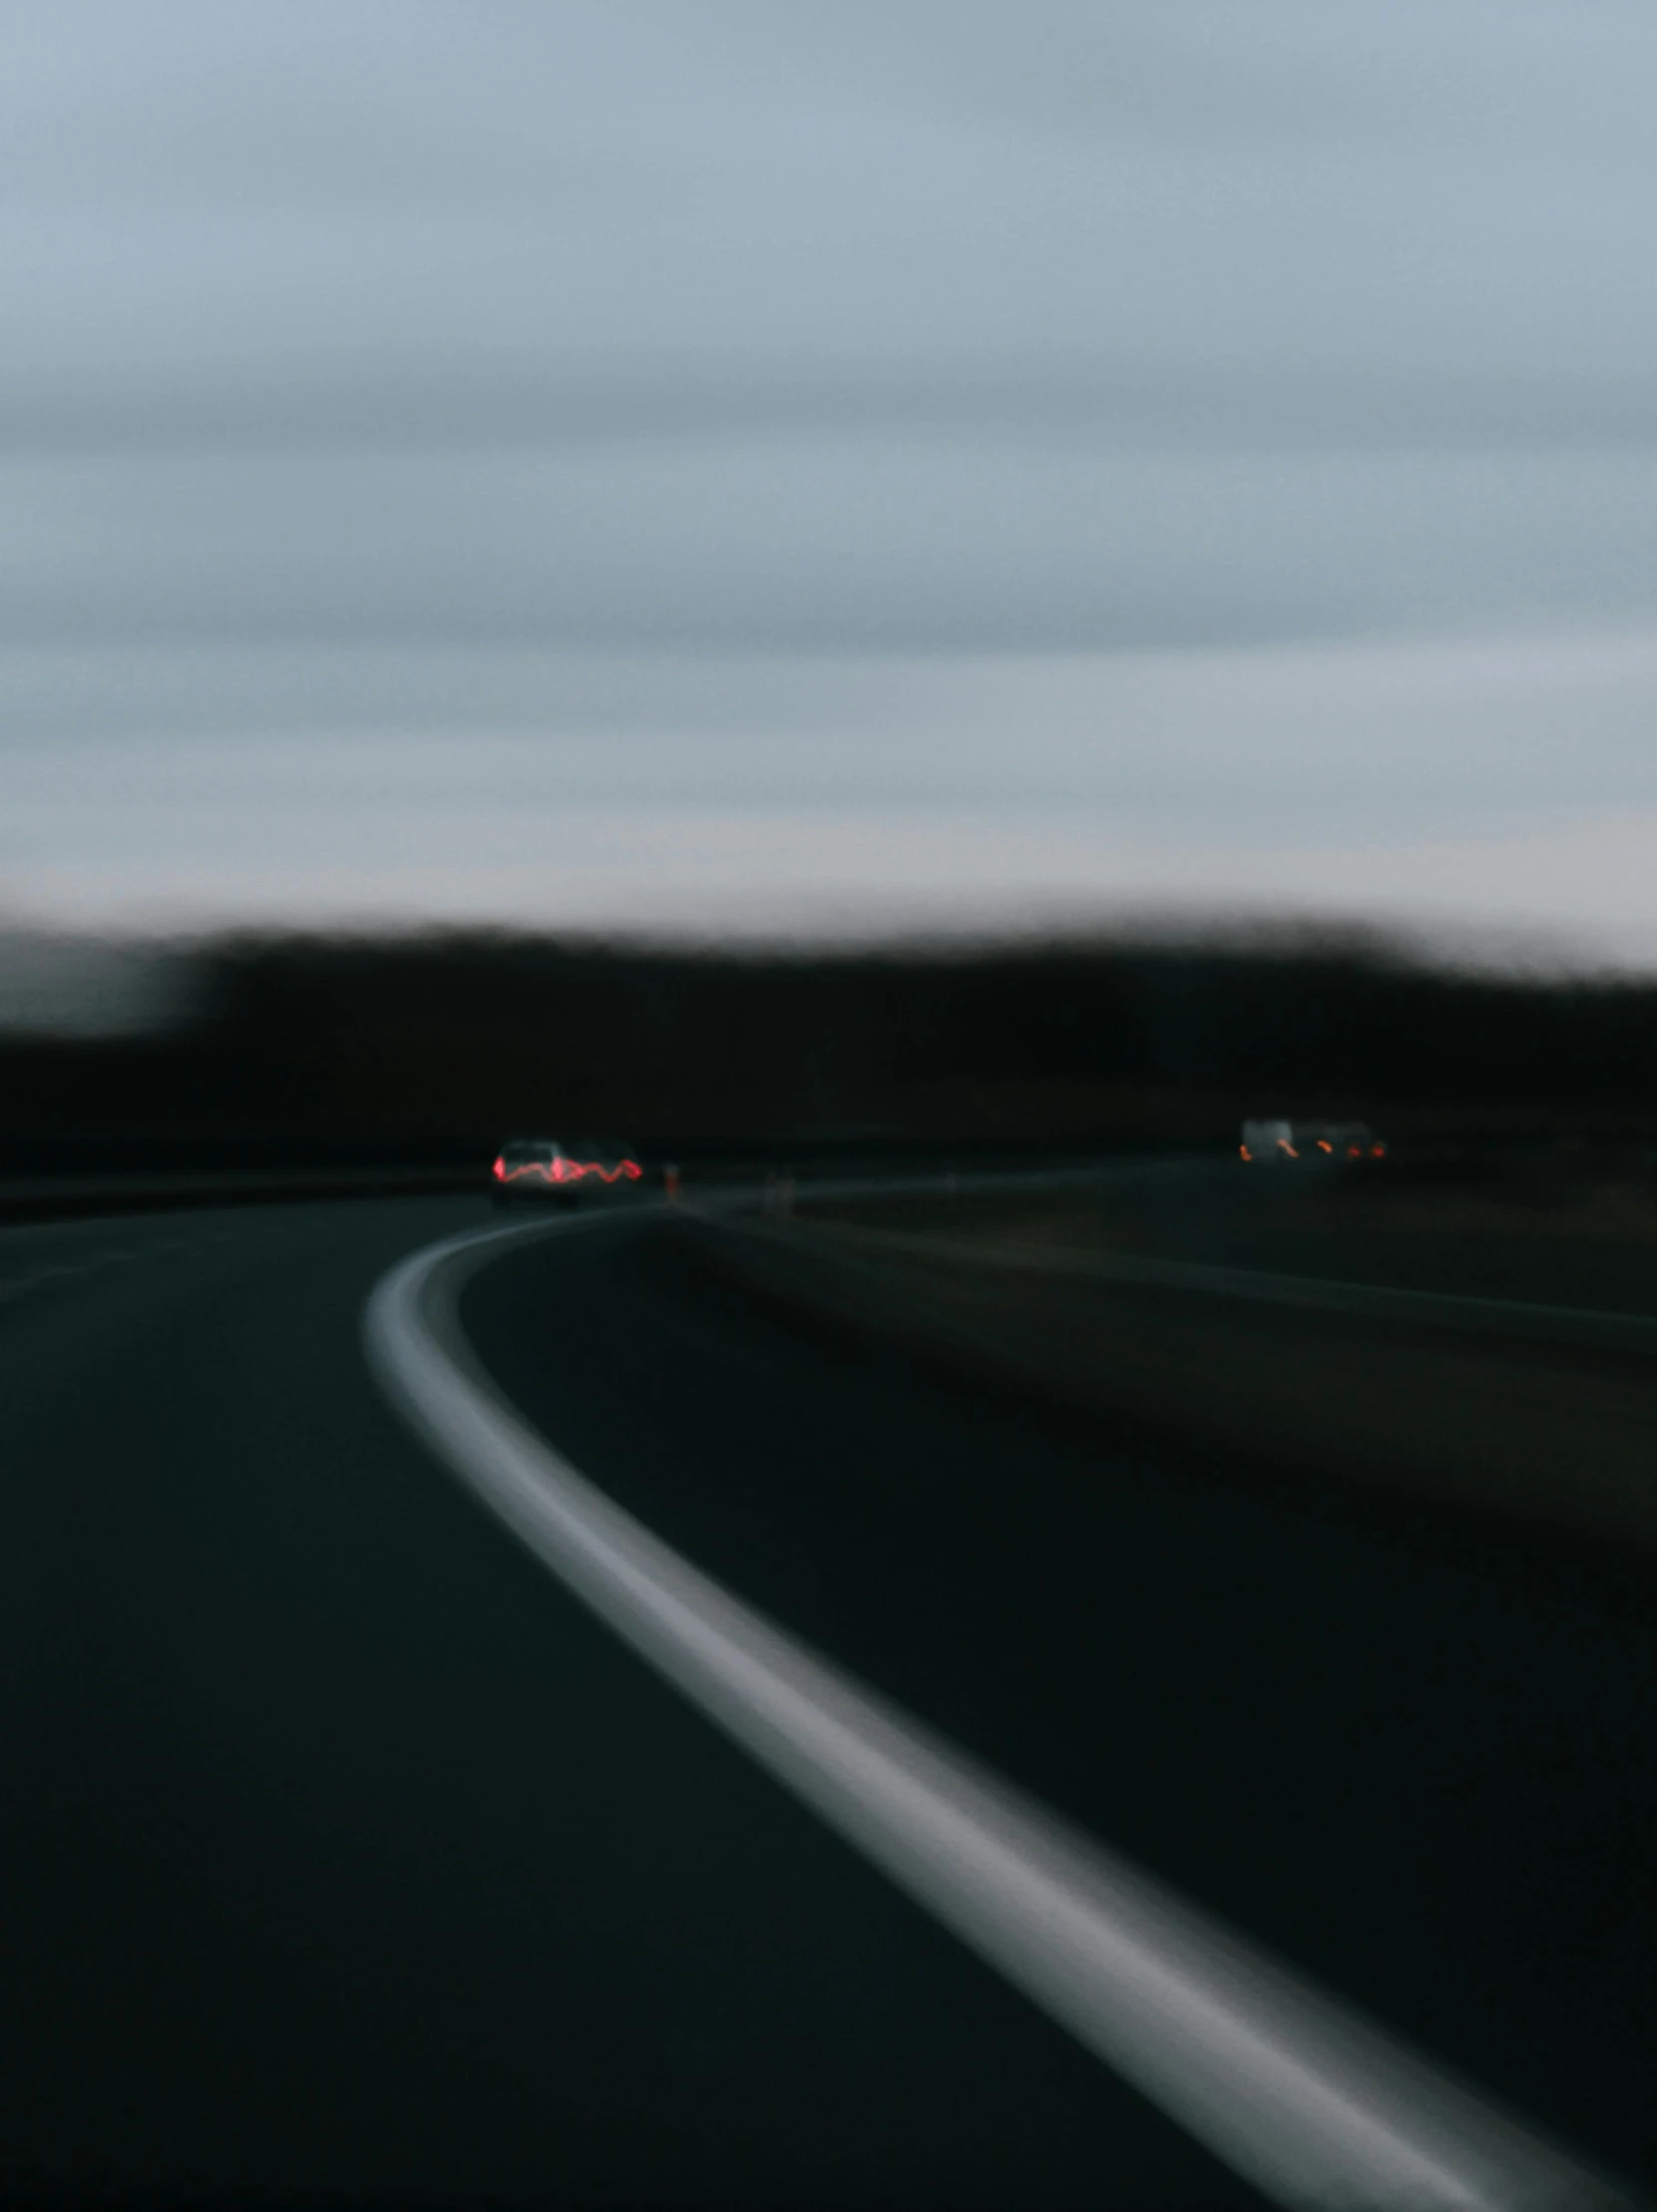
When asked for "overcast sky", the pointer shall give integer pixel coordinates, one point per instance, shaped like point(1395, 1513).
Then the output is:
point(719, 464)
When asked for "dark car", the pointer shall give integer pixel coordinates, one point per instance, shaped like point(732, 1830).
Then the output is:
point(565, 1173)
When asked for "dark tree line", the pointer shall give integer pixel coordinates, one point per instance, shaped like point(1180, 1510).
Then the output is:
point(431, 1045)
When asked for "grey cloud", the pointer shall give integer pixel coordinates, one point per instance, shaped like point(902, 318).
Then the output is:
point(344, 335)
point(472, 755)
point(1106, 406)
point(1198, 73)
point(386, 225)
point(821, 546)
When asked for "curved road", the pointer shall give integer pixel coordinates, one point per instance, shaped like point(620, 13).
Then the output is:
point(346, 1855)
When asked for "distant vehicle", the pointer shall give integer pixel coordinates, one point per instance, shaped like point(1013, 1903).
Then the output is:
point(548, 1169)
point(1309, 1143)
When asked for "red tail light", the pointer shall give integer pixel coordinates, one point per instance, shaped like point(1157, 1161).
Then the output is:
point(565, 1169)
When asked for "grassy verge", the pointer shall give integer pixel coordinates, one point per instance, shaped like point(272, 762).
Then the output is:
point(1555, 1436)
point(1540, 1234)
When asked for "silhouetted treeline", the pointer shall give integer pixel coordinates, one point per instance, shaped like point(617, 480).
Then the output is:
point(432, 1046)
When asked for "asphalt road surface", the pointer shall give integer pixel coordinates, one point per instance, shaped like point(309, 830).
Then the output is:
point(345, 1858)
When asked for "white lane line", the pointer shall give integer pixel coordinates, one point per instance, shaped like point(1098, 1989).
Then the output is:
point(1287, 2085)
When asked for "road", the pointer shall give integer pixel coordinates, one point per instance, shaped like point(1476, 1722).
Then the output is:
point(345, 1855)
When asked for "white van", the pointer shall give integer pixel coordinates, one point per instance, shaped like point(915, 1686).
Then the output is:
point(1309, 1143)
